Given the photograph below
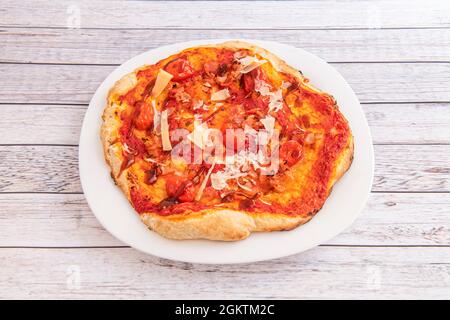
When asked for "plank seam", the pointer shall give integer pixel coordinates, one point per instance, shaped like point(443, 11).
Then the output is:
point(322, 245)
point(174, 28)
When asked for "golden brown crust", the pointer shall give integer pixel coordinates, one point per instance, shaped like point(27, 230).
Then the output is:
point(112, 149)
point(213, 224)
point(219, 224)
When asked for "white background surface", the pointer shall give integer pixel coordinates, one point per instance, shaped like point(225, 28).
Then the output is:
point(393, 54)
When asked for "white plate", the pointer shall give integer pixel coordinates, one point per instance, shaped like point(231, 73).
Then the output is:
point(344, 204)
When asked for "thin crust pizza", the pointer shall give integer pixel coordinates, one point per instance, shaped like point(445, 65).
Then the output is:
point(219, 141)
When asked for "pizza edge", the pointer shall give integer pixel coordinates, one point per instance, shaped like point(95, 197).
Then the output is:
point(212, 224)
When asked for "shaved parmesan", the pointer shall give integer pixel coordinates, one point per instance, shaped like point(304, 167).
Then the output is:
point(221, 79)
point(265, 202)
point(268, 123)
point(275, 98)
point(198, 105)
point(165, 136)
point(239, 54)
point(235, 165)
point(276, 101)
point(218, 182)
point(285, 85)
point(199, 194)
point(162, 80)
point(148, 159)
point(197, 136)
point(250, 131)
point(250, 63)
point(219, 179)
point(262, 87)
point(221, 95)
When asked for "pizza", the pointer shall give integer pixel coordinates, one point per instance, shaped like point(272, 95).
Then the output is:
point(219, 141)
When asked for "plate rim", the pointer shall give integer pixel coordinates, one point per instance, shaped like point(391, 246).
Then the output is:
point(174, 47)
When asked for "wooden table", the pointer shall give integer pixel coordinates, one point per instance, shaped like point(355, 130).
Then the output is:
point(53, 55)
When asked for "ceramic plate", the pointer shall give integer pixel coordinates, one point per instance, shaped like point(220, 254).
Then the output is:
point(345, 202)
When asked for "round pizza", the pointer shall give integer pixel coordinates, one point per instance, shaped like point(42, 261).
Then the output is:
point(219, 141)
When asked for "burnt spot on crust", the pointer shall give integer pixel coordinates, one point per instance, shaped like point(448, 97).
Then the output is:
point(168, 202)
point(246, 204)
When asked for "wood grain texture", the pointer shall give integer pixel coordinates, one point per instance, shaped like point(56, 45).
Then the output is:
point(398, 168)
point(39, 169)
point(372, 82)
point(409, 123)
point(99, 46)
point(390, 123)
point(227, 14)
point(338, 272)
point(65, 220)
point(40, 124)
point(393, 54)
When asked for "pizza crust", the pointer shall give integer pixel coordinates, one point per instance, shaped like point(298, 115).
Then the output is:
point(212, 224)
point(230, 225)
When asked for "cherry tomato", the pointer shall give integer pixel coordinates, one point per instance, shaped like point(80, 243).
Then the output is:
point(173, 183)
point(189, 194)
point(262, 102)
point(305, 121)
point(210, 193)
point(145, 118)
point(180, 68)
point(180, 188)
point(291, 152)
point(226, 57)
point(211, 67)
point(248, 82)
